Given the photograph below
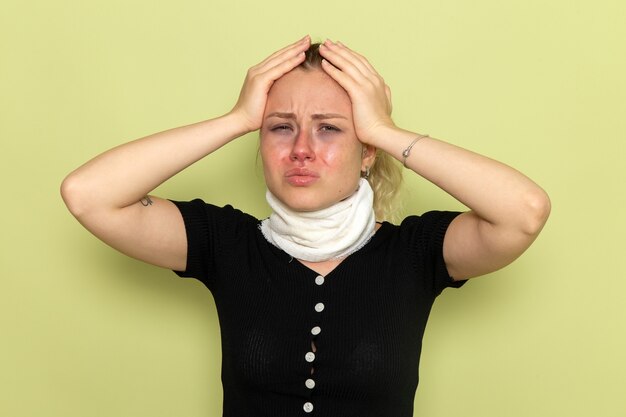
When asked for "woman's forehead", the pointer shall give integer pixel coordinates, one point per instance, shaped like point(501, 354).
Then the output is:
point(308, 92)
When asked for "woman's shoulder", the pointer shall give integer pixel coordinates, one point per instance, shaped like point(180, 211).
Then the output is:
point(218, 221)
point(430, 226)
point(201, 209)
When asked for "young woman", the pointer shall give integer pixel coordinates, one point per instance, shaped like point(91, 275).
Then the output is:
point(322, 308)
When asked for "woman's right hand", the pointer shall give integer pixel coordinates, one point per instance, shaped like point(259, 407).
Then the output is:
point(260, 78)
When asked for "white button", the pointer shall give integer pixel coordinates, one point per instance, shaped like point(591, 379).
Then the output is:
point(316, 330)
point(310, 356)
point(319, 280)
point(308, 407)
point(319, 307)
point(310, 384)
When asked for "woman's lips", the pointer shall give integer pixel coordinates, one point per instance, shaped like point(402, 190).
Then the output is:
point(300, 177)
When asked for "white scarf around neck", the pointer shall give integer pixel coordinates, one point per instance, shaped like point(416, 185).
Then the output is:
point(331, 233)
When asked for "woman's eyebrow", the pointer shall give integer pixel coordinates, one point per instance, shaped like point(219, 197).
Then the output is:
point(281, 115)
point(327, 116)
point(316, 116)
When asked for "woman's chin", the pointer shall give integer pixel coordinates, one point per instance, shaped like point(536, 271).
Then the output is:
point(304, 202)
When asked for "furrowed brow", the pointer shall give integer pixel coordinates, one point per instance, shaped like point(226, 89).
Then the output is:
point(316, 116)
point(282, 115)
point(327, 116)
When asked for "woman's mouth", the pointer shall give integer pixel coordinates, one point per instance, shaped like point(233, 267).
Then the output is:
point(301, 177)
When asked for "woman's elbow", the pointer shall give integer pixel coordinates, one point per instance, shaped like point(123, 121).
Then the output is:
point(73, 195)
point(537, 211)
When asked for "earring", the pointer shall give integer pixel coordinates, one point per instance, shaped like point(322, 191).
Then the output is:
point(365, 174)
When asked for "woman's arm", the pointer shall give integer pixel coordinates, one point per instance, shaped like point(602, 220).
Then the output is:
point(507, 209)
point(109, 194)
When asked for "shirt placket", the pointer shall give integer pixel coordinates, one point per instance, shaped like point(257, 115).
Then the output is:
point(314, 331)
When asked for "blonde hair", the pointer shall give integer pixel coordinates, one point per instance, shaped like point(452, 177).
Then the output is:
point(385, 175)
point(385, 179)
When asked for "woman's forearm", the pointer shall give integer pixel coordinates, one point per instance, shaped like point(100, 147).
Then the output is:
point(123, 175)
point(497, 193)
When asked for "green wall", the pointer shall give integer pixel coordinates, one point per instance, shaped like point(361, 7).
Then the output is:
point(539, 85)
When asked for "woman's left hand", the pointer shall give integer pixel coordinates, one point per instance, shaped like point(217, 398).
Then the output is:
point(370, 96)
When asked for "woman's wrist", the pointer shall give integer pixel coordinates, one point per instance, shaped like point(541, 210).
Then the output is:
point(396, 141)
point(239, 123)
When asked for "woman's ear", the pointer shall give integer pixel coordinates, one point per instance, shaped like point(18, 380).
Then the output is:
point(368, 157)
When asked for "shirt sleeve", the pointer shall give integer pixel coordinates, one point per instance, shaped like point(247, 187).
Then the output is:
point(197, 230)
point(425, 236)
point(210, 231)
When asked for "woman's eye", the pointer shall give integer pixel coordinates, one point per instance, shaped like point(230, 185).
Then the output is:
point(329, 128)
point(281, 128)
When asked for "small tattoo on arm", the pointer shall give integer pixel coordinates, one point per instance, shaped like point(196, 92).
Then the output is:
point(146, 201)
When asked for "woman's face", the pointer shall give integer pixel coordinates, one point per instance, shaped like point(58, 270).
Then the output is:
point(312, 158)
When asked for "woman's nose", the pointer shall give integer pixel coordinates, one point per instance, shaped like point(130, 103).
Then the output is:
point(302, 147)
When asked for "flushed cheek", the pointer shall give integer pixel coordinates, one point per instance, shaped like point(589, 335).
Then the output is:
point(342, 160)
point(335, 154)
point(271, 157)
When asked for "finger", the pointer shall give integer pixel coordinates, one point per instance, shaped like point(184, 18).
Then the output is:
point(354, 65)
point(349, 76)
point(283, 64)
point(360, 57)
point(278, 63)
point(280, 68)
point(343, 60)
point(345, 80)
point(354, 58)
point(285, 53)
point(388, 94)
point(365, 67)
point(306, 40)
point(300, 41)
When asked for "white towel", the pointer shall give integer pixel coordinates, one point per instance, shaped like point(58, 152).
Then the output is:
point(331, 233)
